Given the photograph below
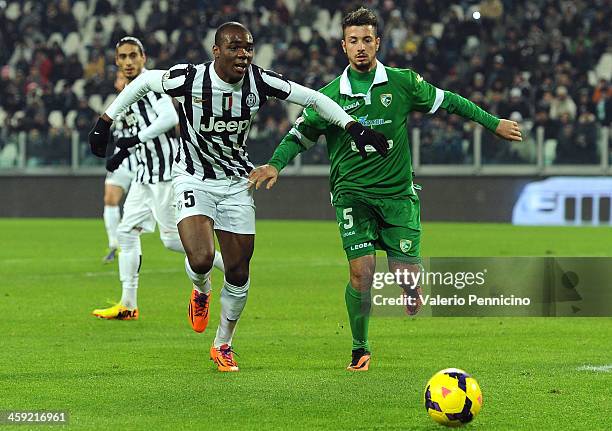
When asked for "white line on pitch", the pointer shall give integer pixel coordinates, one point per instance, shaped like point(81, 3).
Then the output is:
point(143, 271)
point(597, 368)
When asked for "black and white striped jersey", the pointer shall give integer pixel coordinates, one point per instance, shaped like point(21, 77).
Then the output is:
point(215, 116)
point(151, 160)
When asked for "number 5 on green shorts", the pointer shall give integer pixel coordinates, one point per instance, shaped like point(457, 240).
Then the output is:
point(392, 225)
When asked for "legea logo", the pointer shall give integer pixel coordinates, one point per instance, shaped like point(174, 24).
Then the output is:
point(360, 246)
point(213, 124)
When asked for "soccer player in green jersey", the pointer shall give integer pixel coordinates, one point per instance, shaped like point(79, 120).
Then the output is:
point(374, 197)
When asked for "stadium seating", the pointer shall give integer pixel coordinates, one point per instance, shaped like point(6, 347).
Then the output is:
point(40, 59)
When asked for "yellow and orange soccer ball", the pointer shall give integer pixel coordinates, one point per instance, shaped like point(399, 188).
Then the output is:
point(452, 397)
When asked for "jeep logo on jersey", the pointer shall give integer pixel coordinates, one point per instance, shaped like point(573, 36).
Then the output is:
point(213, 124)
point(385, 99)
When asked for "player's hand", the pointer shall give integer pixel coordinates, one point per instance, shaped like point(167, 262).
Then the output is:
point(260, 175)
point(364, 136)
point(126, 143)
point(98, 137)
point(115, 161)
point(509, 130)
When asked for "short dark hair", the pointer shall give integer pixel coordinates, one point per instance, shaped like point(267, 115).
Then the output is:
point(359, 17)
point(225, 27)
point(131, 40)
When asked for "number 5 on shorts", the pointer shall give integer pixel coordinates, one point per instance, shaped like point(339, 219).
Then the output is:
point(346, 214)
point(189, 198)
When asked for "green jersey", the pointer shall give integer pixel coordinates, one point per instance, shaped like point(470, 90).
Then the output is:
point(383, 105)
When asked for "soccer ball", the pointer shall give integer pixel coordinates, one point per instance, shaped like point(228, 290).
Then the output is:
point(452, 397)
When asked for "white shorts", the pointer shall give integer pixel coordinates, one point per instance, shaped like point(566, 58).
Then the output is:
point(122, 177)
point(227, 201)
point(147, 204)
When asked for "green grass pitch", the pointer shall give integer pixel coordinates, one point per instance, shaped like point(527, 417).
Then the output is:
point(293, 339)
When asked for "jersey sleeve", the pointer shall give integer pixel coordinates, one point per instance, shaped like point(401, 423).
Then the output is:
point(273, 84)
point(150, 80)
point(308, 127)
point(166, 117)
point(324, 106)
point(177, 81)
point(424, 96)
point(302, 136)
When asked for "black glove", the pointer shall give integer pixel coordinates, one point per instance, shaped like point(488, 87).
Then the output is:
point(364, 136)
point(98, 137)
point(127, 142)
point(115, 161)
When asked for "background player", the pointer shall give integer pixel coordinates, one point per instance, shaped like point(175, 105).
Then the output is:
point(375, 200)
point(151, 122)
point(116, 183)
point(217, 102)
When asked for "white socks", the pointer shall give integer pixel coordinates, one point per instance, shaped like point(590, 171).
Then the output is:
point(218, 262)
point(233, 300)
point(129, 265)
point(201, 282)
point(112, 217)
point(128, 297)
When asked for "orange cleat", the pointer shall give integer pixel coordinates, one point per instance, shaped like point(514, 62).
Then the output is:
point(198, 310)
point(223, 356)
point(360, 361)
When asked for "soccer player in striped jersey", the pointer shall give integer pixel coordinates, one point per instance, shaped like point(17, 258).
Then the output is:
point(217, 103)
point(147, 135)
point(375, 200)
point(117, 183)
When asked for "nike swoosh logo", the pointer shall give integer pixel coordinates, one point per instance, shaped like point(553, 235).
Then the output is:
point(362, 132)
point(96, 133)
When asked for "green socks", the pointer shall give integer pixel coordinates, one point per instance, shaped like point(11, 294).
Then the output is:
point(358, 305)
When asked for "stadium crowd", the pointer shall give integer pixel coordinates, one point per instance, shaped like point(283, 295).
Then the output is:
point(541, 62)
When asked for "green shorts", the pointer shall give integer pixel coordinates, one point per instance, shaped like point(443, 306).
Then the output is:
point(392, 225)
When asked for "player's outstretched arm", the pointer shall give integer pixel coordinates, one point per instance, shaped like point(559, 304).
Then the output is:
point(149, 81)
point(505, 129)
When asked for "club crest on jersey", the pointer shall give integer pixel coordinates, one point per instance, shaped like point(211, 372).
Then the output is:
point(386, 99)
point(405, 245)
point(251, 100)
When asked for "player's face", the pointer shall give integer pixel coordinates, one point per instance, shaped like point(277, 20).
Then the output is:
point(129, 60)
point(360, 45)
point(234, 55)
